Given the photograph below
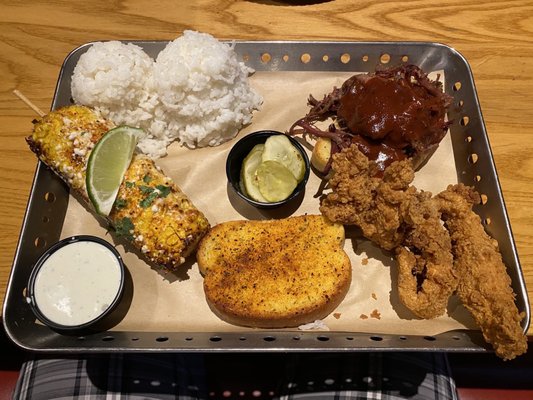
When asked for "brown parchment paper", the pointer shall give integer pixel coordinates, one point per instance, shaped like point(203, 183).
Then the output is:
point(175, 302)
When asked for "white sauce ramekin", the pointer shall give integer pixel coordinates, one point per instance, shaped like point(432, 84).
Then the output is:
point(76, 283)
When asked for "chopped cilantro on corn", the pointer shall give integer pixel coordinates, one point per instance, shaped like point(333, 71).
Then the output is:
point(150, 210)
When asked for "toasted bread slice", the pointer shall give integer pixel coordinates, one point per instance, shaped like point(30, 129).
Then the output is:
point(276, 273)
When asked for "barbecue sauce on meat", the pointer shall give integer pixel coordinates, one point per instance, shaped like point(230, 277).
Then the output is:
point(380, 152)
point(391, 115)
point(390, 118)
point(384, 109)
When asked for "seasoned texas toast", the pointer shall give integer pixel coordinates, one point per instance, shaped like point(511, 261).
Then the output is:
point(276, 273)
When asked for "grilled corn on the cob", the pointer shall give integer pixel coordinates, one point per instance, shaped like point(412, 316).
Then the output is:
point(150, 210)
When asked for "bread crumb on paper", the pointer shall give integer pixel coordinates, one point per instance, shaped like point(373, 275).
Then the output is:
point(363, 316)
point(316, 325)
point(375, 314)
point(374, 296)
point(337, 315)
point(364, 261)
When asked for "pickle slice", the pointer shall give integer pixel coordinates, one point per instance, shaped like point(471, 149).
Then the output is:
point(279, 148)
point(276, 182)
point(248, 173)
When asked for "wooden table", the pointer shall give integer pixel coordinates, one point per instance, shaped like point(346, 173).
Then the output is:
point(495, 36)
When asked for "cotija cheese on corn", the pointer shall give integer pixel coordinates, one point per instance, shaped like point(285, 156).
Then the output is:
point(150, 210)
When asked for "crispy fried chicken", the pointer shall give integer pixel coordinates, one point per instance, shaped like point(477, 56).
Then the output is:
point(375, 205)
point(396, 216)
point(440, 245)
point(426, 278)
point(484, 286)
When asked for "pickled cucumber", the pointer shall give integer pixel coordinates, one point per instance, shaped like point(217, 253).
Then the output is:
point(271, 171)
point(279, 148)
point(248, 174)
point(275, 181)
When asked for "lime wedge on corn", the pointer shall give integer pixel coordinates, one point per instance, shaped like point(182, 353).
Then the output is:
point(108, 161)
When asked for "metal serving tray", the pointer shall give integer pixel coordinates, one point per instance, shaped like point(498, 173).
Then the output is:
point(473, 158)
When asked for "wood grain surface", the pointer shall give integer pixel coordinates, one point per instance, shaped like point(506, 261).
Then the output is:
point(496, 37)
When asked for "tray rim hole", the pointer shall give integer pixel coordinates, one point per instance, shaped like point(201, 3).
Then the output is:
point(50, 197)
point(305, 58)
point(345, 58)
point(385, 58)
point(266, 58)
point(39, 242)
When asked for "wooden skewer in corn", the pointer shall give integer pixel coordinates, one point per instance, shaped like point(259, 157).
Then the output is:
point(29, 103)
point(183, 225)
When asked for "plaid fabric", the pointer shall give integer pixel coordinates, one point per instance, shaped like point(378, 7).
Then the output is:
point(380, 376)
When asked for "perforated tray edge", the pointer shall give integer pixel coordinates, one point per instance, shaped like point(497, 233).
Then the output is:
point(49, 196)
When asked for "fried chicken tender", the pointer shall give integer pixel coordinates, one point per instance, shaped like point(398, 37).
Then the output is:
point(484, 286)
point(440, 244)
point(426, 278)
point(396, 216)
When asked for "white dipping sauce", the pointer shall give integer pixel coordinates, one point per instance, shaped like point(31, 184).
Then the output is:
point(77, 283)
